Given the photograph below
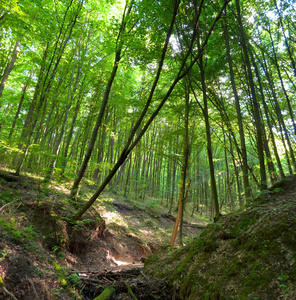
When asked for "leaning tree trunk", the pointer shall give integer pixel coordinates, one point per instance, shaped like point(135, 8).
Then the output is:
point(24, 89)
point(281, 120)
point(56, 150)
point(266, 112)
point(59, 49)
point(9, 66)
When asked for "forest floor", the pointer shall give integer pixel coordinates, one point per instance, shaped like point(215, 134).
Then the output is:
point(43, 255)
point(248, 254)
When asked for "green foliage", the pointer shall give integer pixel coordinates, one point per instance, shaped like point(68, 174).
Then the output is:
point(74, 280)
point(245, 223)
point(61, 273)
point(20, 234)
point(80, 224)
point(4, 253)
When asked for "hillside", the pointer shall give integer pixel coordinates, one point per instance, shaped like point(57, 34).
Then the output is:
point(247, 255)
point(43, 253)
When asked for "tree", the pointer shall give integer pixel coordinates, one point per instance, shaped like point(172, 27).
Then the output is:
point(9, 66)
point(130, 143)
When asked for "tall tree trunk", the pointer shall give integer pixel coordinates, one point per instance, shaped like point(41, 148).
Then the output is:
point(24, 89)
point(173, 181)
point(209, 139)
point(240, 120)
point(184, 169)
point(278, 109)
point(9, 66)
point(59, 48)
point(258, 123)
point(240, 200)
point(93, 138)
point(289, 50)
point(47, 177)
point(266, 112)
point(227, 175)
point(270, 165)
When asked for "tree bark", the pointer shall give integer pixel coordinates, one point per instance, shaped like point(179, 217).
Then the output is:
point(227, 175)
point(93, 138)
point(209, 139)
point(240, 120)
point(9, 66)
point(258, 123)
point(270, 165)
point(24, 89)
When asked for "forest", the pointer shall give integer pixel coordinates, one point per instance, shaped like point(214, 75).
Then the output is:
point(142, 95)
point(168, 101)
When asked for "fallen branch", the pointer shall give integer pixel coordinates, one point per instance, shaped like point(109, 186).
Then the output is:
point(7, 292)
point(33, 288)
point(8, 204)
point(194, 226)
point(130, 291)
point(106, 294)
point(90, 280)
point(146, 277)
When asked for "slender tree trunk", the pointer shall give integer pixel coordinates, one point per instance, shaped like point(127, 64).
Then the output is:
point(270, 165)
point(184, 166)
point(47, 83)
point(30, 115)
point(69, 137)
point(240, 200)
point(282, 123)
point(227, 175)
point(258, 123)
point(24, 89)
point(126, 187)
point(173, 182)
point(289, 50)
point(56, 150)
point(100, 153)
point(266, 112)
point(93, 138)
point(209, 139)
point(240, 121)
point(9, 66)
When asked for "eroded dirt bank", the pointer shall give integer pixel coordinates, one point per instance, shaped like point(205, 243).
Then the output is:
point(45, 256)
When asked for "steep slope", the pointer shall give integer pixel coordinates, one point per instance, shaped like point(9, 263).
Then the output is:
point(247, 255)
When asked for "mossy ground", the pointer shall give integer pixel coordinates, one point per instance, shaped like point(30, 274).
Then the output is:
point(247, 255)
